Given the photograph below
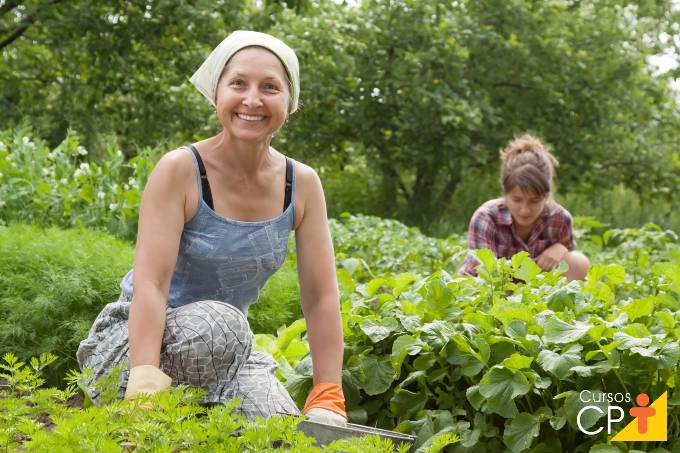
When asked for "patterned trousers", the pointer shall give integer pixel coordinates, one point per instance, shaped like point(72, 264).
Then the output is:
point(206, 344)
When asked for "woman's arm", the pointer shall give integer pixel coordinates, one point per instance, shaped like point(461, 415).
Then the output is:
point(161, 220)
point(318, 284)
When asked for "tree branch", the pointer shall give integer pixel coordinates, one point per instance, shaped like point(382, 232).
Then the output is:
point(513, 85)
point(16, 34)
point(26, 22)
point(8, 6)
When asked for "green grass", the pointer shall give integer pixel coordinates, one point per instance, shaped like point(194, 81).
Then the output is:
point(52, 285)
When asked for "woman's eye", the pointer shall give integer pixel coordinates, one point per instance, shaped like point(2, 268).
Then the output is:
point(237, 83)
point(271, 87)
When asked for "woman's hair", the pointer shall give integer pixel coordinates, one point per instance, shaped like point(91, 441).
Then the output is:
point(528, 164)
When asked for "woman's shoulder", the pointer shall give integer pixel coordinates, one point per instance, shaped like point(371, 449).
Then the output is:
point(306, 177)
point(557, 211)
point(489, 215)
point(491, 208)
point(177, 162)
point(172, 174)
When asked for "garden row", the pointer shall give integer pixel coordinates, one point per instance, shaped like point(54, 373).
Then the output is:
point(497, 362)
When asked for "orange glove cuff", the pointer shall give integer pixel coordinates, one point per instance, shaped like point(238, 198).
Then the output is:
point(327, 395)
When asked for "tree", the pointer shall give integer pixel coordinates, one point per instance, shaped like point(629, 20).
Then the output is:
point(110, 67)
point(429, 91)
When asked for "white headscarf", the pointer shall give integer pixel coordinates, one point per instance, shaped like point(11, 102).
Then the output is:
point(206, 77)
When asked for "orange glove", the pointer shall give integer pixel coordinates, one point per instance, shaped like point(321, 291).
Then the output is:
point(326, 395)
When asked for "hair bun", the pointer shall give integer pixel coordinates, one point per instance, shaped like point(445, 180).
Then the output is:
point(529, 164)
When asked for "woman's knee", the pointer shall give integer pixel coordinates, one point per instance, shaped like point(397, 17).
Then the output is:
point(578, 265)
point(208, 329)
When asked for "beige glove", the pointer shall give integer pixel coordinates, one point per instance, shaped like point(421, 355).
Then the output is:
point(146, 379)
point(325, 416)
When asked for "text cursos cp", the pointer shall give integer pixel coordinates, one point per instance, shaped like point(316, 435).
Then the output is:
point(586, 396)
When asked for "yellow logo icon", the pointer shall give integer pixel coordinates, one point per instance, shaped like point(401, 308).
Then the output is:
point(650, 420)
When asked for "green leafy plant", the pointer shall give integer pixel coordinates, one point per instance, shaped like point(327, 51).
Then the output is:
point(499, 360)
point(61, 187)
point(21, 379)
point(172, 420)
point(53, 283)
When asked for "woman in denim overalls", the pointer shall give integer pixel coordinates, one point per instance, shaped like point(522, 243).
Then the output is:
point(214, 223)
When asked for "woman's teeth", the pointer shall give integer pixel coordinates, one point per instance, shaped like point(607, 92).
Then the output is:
point(245, 117)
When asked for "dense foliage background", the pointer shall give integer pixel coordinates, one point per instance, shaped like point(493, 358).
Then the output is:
point(404, 103)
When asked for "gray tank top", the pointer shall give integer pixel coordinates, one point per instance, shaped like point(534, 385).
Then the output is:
point(223, 259)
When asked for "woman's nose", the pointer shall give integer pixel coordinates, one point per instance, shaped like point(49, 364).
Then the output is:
point(252, 99)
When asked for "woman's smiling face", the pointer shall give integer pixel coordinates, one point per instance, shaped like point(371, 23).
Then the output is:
point(253, 95)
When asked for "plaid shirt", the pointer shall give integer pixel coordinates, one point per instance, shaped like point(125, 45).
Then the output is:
point(491, 227)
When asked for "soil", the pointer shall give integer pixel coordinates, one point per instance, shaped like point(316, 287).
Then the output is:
point(76, 401)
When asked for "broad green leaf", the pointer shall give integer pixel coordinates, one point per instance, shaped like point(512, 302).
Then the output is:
point(560, 364)
point(524, 267)
point(351, 265)
point(601, 292)
point(597, 331)
point(416, 376)
point(670, 355)
point(266, 343)
point(436, 333)
point(424, 362)
point(475, 398)
point(639, 308)
point(438, 300)
point(590, 370)
point(296, 350)
point(375, 374)
point(542, 382)
point(357, 414)
point(563, 298)
point(558, 421)
point(614, 273)
point(459, 352)
point(400, 282)
point(560, 332)
point(500, 387)
point(516, 329)
point(487, 258)
point(508, 312)
point(345, 281)
point(520, 432)
point(573, 404)
point(380, 328)
point(665, 319)
point(517, 362)
point(405, 403)
point(607, 348)
point(287, 334)
point(637, 329)
point(403, 346)
point(374, 286)
point(483, 321)
point(626, 341)
point(43, 188)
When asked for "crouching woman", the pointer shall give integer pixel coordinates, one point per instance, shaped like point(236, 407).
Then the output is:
point(526, 217)
point(214, 223)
